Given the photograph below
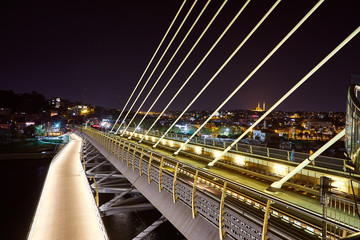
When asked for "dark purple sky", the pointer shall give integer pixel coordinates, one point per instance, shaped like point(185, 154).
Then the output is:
point(96, 51)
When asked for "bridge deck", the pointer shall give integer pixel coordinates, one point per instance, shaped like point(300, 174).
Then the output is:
point(67, 209)
point(294, 198)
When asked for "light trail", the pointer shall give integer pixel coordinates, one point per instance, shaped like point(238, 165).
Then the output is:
point(319, 65)
point(220, 69)
point(202, 60)
point(167, 48)
point(162, 40)
point(183, 61)
point(253, 72)
point(168, 63)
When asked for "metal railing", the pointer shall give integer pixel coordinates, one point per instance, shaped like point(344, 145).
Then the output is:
point(189, 180)
point(292, 156)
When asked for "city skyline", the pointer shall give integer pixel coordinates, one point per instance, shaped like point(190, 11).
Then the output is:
point(96, 53)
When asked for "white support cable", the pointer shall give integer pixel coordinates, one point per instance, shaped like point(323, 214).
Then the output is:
point(167, 48)
point(183, 61)
point(278, 184)
point(199, 64)
point(162, 40)
point(252, 73)
point(318, 66)
point(168, 63)
point(220, 69)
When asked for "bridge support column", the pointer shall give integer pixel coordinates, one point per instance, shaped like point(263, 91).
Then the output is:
point(150, 228)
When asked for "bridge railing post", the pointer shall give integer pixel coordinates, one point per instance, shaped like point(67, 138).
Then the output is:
point(133, 159)
point(140, 162)
point(222, 232)
point(149, 168)
point(175, 182)
point(112, 144)
point(118, 149)
point(193, 210)
point(123, 152)
point(266, 220)
point(128, 154)
point(160, 173)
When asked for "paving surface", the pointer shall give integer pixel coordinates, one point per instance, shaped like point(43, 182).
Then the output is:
point(67, 209)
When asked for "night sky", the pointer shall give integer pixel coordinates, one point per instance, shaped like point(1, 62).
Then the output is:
point(96, 51)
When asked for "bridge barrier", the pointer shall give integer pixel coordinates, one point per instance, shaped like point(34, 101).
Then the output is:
point(270, 162)
point(321, 161)
point(190, 180)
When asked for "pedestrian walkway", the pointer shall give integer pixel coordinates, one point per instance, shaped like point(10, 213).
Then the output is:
point(67, 209)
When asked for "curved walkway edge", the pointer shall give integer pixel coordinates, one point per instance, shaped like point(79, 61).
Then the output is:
point(67, 209)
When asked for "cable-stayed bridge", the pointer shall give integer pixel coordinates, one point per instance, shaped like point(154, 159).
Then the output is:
point(215, 190)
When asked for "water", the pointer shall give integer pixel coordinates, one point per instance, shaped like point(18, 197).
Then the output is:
point(126, 226)
point(22, 182)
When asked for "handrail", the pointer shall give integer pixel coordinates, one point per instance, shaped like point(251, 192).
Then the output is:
point(253, 149)
point(259, 193)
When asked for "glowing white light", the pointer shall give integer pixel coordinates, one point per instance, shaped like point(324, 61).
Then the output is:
point(217, 153)
point(240, 160)
point(197, 150)
point(280, 169)
point(339, 184)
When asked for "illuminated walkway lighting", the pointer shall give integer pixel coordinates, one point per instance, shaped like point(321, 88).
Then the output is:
point(67, 209)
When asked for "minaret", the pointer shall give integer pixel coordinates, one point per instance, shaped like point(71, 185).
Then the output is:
point(263, 107)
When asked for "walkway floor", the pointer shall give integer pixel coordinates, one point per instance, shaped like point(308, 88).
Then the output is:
point(67, 209)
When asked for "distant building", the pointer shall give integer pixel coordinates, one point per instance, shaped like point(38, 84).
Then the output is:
point(258, 108)
point(264, 135)
point(5, 118)
point(55, 102)
point(81, 109)
point(312, 124)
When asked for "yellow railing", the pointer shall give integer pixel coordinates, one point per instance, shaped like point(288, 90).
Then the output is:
point(110, 143)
